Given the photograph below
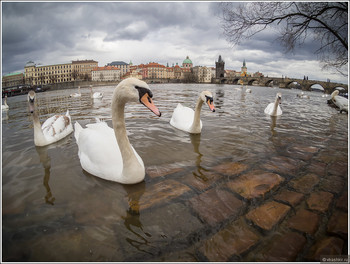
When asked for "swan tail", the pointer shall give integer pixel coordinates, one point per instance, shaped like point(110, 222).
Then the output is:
point(77, 129)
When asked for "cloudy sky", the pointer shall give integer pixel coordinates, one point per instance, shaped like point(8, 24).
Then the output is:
point(141, 32)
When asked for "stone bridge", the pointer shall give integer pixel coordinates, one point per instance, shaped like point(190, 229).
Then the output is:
point(282, 82)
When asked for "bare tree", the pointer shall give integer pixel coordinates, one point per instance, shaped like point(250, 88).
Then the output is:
point(325, 22)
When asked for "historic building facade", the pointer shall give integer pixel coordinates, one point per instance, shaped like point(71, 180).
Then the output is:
point(48, 74)
point(12, 80)
point(82, 69)
point(106, 74)
point(202, 74)
point(123, 66)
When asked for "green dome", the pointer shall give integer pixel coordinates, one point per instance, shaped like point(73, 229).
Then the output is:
point(187, 60)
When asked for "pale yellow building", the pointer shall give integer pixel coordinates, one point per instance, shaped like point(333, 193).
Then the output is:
point(48, 74)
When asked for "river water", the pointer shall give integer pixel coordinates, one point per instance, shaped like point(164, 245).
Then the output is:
point(52, 210)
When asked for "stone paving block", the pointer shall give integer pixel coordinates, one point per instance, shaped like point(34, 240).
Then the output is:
point(255, 183)
point(333, 184)
point(319, 201)
point(338, 224)
point(293, 198)
point(268, 215)
point(338, 168)
point(282, 248)
point(216, 205)
point(342, 202)
point(282, 165)
point(329, 246)
point(159, 193)
point(304, 221)
point(303, 152)
point(305, 183)
point(234, 239)
point(230, 168)
point(318, 168)
point(160, 171)
point(202, 180)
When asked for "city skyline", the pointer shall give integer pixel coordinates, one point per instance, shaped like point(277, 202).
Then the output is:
point(163, 32)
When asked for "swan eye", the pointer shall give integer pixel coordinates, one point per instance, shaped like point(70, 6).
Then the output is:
point(210, 99)
point(143, 91)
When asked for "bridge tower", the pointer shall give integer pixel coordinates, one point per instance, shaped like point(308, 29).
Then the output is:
point(220, 68)
point(244, 69)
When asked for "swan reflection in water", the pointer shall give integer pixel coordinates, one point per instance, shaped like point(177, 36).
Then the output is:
point(46, 162)
point(199, 171)
point(132, 220)
point(273, 125)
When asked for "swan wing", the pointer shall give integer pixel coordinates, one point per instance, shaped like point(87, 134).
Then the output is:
point(279, 110)
point(99, 152)
point(57, 127)
point(97, 95)
point(182, 117)
point(269, 108)
point(341, 101)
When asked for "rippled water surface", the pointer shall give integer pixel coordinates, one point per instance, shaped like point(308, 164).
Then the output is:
point(54, 211)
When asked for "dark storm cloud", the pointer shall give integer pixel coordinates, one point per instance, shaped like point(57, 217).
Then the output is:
point(58, 32)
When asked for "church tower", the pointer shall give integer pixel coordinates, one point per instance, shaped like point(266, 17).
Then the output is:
point(220, 68)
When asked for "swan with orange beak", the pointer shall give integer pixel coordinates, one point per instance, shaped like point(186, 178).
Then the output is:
point(185, 119)
point(106, 152)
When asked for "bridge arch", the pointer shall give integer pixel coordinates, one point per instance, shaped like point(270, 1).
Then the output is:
point(250, 82)
point(269, 82)
point(317, 87)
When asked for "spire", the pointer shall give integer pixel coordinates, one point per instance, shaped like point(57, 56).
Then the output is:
point(244, 63)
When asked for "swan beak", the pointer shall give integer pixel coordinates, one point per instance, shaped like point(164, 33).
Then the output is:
point(31, 108)
point(279, 100)
point(146, 100)
point(211, 105)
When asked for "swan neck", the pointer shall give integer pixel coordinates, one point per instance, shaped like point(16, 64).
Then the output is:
point(39, 138)
point(196, 125)
point(275, 106)
point(131, 165)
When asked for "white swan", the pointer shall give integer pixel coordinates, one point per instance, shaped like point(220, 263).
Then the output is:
point(184, 118)
point(303, 95)
point(53, 129)
point(248, 90)
point(273, 109)
point(76, 94)
point(339, 101)
point(5, 107)
point(95, 95)
point(106, 152)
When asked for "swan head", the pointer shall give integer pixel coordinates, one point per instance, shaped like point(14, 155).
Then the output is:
point(31, 99)
point(207, 97)
point(279, 98)
point(135, 90)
